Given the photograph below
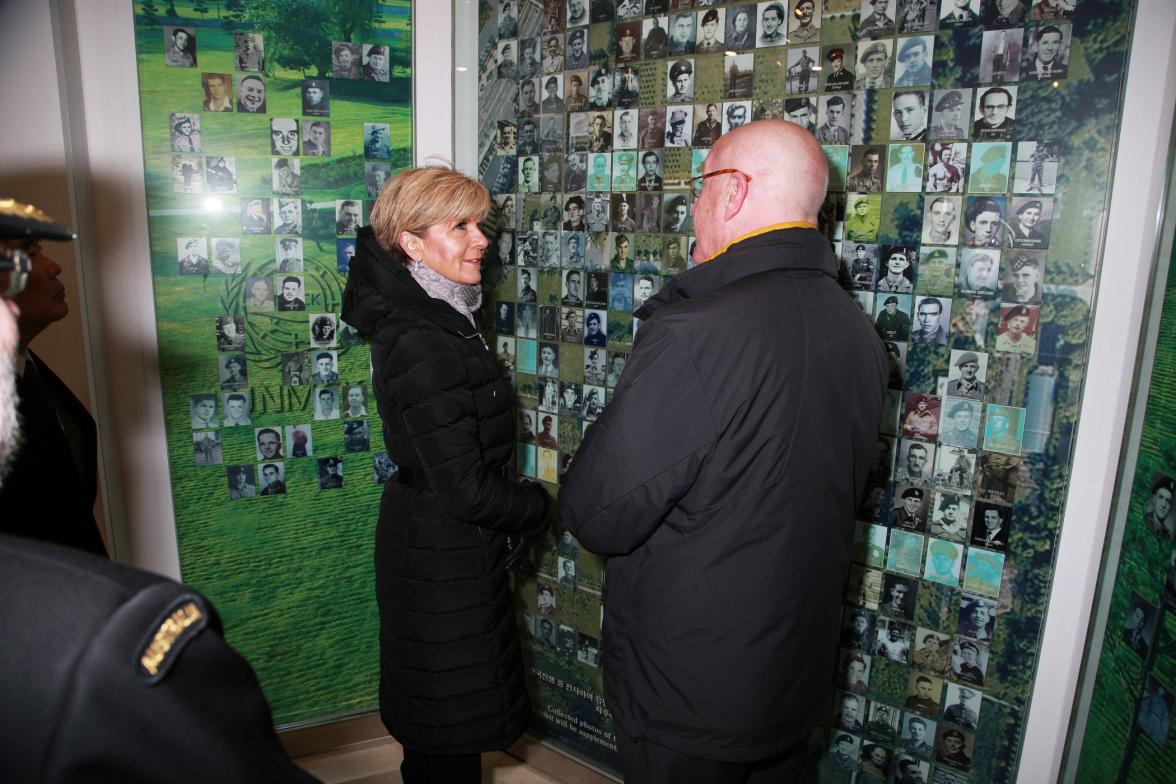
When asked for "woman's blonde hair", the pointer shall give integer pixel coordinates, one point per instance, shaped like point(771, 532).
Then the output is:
point(416, 199)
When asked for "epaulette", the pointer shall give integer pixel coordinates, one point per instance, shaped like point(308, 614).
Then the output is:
point(184, 618)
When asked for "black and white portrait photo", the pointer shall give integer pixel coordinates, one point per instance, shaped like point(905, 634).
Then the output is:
point(179, 47)
point(316, 97)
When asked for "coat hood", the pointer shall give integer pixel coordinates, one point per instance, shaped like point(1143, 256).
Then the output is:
point(379, 289)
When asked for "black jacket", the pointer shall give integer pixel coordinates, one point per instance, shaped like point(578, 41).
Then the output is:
point(451, 676)
point(77, 702)
point(50, 492)
point(722, 482)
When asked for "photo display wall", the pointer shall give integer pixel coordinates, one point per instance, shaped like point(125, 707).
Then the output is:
point(269, 127)
point(1129, 725)
point(970, 144)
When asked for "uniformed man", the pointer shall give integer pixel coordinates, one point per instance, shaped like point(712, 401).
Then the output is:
point(53, 481)
point(949, 110)
point(874, 60)
point(908, 516)
point(153, 693)
point(866, 179)
point(840, 78)
point(917, 465)
point(1014, 339)
point(967, 385)
point(892, 323)
point(681, 77)
point(960, 713)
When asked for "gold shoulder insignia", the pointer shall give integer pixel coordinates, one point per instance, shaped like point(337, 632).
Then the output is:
point(182, 621)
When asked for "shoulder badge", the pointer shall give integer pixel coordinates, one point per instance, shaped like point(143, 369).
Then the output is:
point(172, 630)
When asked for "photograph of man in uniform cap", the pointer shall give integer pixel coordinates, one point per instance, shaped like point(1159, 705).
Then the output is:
point(1023, 279)
point(952, 749)
point(921, 416)
point(874, 65)
point(966, 380)
point(914, 56)
point(1031, 222)
point(1017, 333)
point(860, 260)
point(950, 105)
point(838, 78)
point(804, 24)
point(876, 18)
point(375, 63)
point(802, 112)
point(330, 473)
point(909, 512)
point(710, 32)
point(1159, 517)
point(680, 81)
point(624, 176)
point(963, 706)
point(937, 270)
point(552, 100)
point(892, 322)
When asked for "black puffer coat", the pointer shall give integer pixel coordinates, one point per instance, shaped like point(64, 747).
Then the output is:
point(451, 676)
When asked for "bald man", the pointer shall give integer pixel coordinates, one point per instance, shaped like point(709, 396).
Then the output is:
point(754, 380)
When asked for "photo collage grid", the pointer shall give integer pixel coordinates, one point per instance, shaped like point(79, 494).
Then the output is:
point(596, 115)
point(198, 167)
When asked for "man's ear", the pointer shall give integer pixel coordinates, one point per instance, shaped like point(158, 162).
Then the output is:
point(735, 195)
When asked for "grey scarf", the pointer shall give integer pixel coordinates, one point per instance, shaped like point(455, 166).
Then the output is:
point(461, 297)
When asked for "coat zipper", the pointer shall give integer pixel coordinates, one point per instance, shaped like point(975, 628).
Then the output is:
point(478, 335)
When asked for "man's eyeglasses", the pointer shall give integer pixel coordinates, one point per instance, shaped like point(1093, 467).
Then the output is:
point(696, 183)
point(15, 265)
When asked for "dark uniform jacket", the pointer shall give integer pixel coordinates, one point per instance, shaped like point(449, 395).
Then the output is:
point(451, 674)
point(50, 492)
point(111, 674)
point(722, 481)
